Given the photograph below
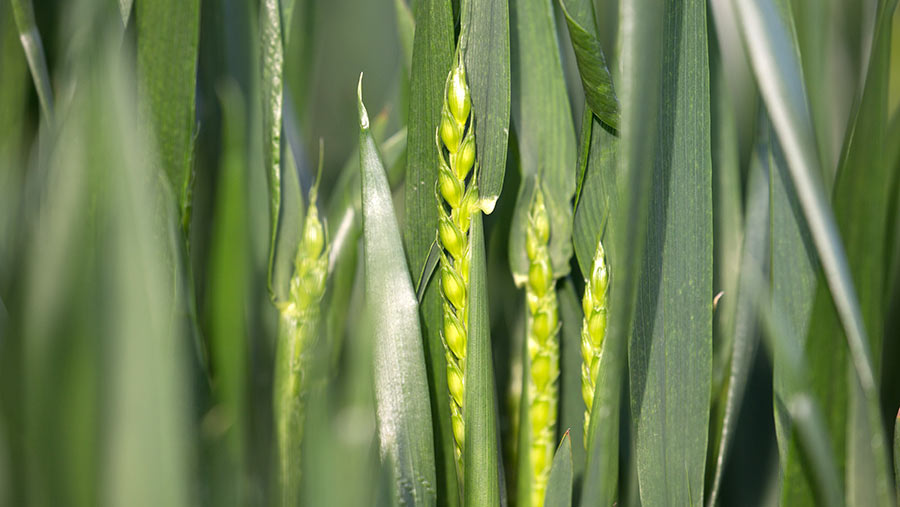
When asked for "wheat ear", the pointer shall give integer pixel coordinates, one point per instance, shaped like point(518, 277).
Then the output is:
point(593, 330)
point(298, 328)
point(457, 200)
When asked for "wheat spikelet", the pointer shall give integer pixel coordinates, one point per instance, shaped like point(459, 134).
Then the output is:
point(457, 200)
point(298, 328)
point(593, 330)
point(542, 328)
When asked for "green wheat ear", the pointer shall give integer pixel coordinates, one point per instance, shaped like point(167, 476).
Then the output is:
point(593, 330)
point(457, 199)
point(298, 327)
point(542, 328)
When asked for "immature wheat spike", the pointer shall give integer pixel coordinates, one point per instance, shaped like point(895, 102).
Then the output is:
point(542, 327)
point(593, 330)
point(297, 330)
point(455, 140)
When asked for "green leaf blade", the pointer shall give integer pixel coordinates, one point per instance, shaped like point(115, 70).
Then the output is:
point(779, 76)
point(168, 36)
point(485, 46)
point(559, 486)
point(571, 402)
point(546, 134)
point(481, 454)
point(599, 90)
point(273, 95)
point(671, 350)
point(642, 57)
point(401, 385)
point(432, 56)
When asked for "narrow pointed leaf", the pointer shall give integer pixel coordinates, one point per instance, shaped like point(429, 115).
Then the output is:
point(481, 460)
point(272, 61)
point(344, 222)
point(598, 200)
point(805, 418)
point(793, 278)
point(485, 46)
point(168, 36)
point(401, 386)
point(559, 486)
point(571, 411)
point(595, 77)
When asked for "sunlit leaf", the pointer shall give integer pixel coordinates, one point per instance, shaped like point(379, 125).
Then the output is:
point(401, 386)
point(599, 91)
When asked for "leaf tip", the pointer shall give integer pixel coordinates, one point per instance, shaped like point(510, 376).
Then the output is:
point(487, 204)
point(363, 114)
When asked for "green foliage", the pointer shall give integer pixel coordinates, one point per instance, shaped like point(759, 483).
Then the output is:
point(403, 411)
point(192, 314)
point(167, 40)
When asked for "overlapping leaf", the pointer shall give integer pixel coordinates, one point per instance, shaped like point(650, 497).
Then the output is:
point(401, 385)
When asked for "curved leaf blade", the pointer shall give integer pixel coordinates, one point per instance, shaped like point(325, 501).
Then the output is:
point(401, 386)
point(485, 48)
point(168, 36)
point(571, 412)
point(599, 91)
point(778, 74)
point(273, 96)
point(482, 472)
point(559, 486)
